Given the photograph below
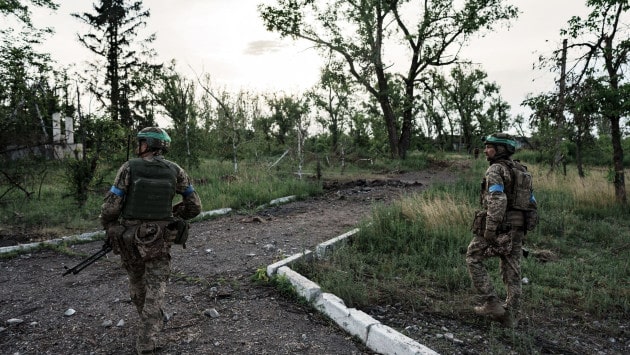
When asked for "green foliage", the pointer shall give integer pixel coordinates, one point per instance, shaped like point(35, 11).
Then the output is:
point(100, 138)
point(254, 185)
point(43, 205)
point(349, 31)
point(176, 95)
point(577, 261)
point(114, 37)
point(260, 275)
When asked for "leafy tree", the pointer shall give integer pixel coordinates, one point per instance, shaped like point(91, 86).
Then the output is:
point(176, 95)
point(233, 118)
point(116, 26)
point(27, 98)
point(22, 12)
point(286, 115)
point(583, 105)
point(263, 125)
point(601, 44)
point(468, 92)
point(100, 138)
point(471, 105)
point(332, 97)
point(542, 118)
point(360, 32)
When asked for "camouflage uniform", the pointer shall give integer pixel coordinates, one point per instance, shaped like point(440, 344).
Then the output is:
point(502, 236)
point(147, 276)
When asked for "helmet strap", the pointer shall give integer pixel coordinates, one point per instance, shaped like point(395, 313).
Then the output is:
point(140, 152)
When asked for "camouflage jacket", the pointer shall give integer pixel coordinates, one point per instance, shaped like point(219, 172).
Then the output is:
point(493, 197)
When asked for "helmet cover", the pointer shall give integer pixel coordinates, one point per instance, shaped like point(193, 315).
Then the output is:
point(156, 138)
point(503, 139)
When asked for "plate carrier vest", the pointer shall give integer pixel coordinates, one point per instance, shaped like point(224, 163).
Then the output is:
point(151, 190)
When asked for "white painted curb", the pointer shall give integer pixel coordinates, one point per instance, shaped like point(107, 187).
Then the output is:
point(24, 247)
point(328, 246)
point(303, 286)
point(376, 336)
point(218, 212)
point(273, 268)
point(282, 200)
point(91, 235)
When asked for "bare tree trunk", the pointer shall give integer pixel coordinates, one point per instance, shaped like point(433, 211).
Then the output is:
point(560, 110)
point(619, 179)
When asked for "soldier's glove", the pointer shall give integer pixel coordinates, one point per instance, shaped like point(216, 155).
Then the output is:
point(114, 233)
point(178, 209)
point(179, 227)
point(490, 235)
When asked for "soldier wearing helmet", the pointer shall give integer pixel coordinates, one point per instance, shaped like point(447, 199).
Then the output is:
point(142, 223)
point(498, 232)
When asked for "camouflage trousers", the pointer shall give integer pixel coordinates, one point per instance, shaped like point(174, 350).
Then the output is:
point(481, 249)
point(147, 287)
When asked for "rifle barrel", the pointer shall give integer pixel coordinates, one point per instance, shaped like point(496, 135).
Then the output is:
point(87, 262)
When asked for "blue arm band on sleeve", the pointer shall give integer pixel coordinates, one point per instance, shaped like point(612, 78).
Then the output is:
point(532, 198)
point(495, 188)
point(116, 191)
point(188, 191)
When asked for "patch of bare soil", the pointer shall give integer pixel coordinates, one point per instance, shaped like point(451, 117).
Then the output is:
point(218, 309)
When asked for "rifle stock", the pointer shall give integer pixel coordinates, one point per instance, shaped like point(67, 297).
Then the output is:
point(89, 261)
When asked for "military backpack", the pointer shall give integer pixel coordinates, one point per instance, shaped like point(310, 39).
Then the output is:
point(520, 194)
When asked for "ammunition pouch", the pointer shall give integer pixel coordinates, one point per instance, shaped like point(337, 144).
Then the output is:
point(514, 219)
point(151, 240)
point(531, 220)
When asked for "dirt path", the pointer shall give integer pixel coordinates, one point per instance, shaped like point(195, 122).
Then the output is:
point(213, 273)
point(218, 309)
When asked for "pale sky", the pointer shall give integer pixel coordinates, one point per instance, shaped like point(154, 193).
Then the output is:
point(226, 39)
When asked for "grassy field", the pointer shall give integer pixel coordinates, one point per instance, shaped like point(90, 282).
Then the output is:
point(51, 210)
point(413, 252)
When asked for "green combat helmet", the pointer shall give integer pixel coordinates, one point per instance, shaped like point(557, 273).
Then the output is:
point(503, 139)
point(156, 138)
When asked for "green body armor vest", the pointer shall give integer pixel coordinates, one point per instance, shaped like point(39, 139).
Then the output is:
point(151, 190)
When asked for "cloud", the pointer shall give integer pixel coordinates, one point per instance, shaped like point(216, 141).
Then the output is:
point(262, 47)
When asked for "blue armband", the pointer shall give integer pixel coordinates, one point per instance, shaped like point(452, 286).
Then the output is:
point(116, 191)
point(495, 188)
point(189, 190)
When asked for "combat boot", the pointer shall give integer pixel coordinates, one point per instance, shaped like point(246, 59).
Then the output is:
point(509, 319)
point(491, 308)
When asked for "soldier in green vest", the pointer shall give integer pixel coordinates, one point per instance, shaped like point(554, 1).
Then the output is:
point(142, 224)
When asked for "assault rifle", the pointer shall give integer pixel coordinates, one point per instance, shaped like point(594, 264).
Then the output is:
point(89, 261)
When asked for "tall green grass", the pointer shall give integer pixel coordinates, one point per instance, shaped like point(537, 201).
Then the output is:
point(53, 212)
point(413, 251)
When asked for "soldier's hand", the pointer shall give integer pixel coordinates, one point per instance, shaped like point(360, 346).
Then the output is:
point(178, 209)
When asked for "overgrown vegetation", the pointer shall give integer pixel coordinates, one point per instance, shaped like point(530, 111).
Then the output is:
point(52, 211)
point(412, 253)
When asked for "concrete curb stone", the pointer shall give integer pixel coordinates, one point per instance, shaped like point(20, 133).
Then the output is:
point(376, 336)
